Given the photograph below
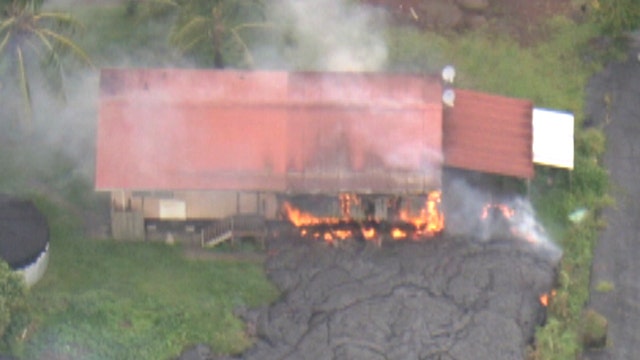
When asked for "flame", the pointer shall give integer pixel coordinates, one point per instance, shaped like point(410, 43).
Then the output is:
point(428, 222)
point(346, 202)
point(505, 210)
point(328, 238)
point(518, 227)
point(431, 220)
point(300, 218)
point(546, 298)
point(398, 233)
point(342, 234)
point(369, 233)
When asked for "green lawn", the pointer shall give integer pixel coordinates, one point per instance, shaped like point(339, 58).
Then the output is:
point(102, 299)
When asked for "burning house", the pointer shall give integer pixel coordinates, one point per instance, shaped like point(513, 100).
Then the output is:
point(225, 150)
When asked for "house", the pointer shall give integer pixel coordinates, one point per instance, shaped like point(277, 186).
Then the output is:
point(191, 146)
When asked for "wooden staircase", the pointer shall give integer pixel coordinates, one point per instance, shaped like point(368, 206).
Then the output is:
point(234, 227)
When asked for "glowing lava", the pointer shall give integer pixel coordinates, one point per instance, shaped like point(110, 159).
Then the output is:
point(546, 298)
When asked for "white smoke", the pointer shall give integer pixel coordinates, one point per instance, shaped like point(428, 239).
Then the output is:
point(330, 35)
point(477, 214)
point(67, 127)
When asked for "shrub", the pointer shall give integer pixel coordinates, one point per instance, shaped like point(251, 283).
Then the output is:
point(594, 329)
point(605, 286)
point(12, 304)
point(616, 16)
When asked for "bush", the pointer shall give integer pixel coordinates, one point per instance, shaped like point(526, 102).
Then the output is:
point(594, 329)
point(616, 16)
point(12, 304)
point(605, 286)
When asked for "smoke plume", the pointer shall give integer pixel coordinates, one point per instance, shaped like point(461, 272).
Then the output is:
point(328, 35)
point(482, 215)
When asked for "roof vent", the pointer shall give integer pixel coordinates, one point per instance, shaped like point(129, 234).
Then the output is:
point(448, 97)
point(448, 74)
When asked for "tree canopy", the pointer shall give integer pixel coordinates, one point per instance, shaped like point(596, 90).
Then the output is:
point(33, 43)
point(212, 33)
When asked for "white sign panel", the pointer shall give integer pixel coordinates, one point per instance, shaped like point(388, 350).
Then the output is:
point(553, 138)
point(173, 209)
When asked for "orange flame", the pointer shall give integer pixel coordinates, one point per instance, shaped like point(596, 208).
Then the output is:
point(398, 233)
point(431, 220)
point(509, 214)
point(546, 298)
point(505, 210)
point(369, 233)
point(342, 234)
point(328, 237)
point(300, 218)
point(428, 222)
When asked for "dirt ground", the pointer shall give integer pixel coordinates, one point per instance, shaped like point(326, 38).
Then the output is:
point(520, 19)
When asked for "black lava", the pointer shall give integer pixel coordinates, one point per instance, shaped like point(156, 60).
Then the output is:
point(443, 298)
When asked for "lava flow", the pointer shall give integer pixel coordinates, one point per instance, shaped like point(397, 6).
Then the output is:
point(428, 222)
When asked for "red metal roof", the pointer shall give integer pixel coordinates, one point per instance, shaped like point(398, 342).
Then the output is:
point(206, 129)
point(489, 133)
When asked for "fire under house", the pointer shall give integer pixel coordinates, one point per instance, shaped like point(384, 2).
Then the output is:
point(223, 151)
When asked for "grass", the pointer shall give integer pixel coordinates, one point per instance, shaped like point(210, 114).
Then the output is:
point(102, 299)
point(605, 286)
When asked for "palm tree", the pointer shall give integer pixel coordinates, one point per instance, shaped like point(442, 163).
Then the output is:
point(212, 31)
point(28, 35)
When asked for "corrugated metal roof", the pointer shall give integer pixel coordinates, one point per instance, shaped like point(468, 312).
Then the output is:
point(489, 133)
point(206, 129)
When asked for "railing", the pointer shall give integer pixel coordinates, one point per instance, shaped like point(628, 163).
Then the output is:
point(234, 227)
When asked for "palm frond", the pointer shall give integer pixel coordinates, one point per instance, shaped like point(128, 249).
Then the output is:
point(7, 23)
point(67, 43)
point(195, 26)
point(35, 47)
point(57, 16)
point(254, 26)
point(52, 66)
point(186, 47)
point(24, 86)
point(61, 20)
point(245, 49)
point(5, 41)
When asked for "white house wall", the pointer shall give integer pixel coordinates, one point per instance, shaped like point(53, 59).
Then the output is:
point(196, 205)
